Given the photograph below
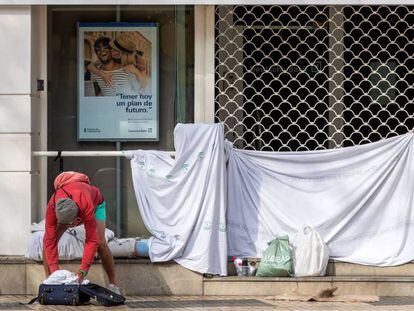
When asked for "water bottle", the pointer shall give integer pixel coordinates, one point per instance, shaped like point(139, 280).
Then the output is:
point(237, 264)
point(245, 267)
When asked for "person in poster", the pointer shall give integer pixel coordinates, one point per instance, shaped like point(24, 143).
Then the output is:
point(119, 67)
point(132, 60)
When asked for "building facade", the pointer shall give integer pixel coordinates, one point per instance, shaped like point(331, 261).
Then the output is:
point(280, 75)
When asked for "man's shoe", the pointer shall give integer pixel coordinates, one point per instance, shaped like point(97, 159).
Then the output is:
point(115, 289)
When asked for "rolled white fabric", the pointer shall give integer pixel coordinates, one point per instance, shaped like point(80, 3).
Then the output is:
point(122, 247)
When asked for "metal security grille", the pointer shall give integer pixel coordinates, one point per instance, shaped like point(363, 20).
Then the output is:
point(313, 77)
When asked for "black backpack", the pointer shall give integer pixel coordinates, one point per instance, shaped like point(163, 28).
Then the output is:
point(76, 295)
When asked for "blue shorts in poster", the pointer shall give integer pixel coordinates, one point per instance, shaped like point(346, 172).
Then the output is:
point(118, 81)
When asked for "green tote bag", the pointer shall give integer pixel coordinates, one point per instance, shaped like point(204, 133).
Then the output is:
point(276, 259)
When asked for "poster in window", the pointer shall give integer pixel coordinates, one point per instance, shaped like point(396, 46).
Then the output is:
point(118, 81)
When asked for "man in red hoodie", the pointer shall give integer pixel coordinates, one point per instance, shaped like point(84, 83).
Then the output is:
point(74, 202)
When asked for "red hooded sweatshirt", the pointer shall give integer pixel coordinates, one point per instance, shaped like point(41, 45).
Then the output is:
point(87, 197)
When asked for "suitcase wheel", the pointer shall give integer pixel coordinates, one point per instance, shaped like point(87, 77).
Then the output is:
point(75, 301)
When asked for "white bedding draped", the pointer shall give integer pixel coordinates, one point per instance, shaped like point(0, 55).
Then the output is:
point(182, 201)
point(360, 199)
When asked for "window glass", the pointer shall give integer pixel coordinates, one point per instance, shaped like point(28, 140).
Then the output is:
point(176, 72)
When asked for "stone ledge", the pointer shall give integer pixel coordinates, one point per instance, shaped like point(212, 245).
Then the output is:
point(267, 279)
point(141, 277)
point(137, 261)
point(339, 268)
point(20, 276)
point(374, 279)
point(394, 279)
point(5, 259)
point(380, 286)
point(135, 279)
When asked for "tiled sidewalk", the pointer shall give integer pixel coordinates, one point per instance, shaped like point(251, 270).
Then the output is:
point(216, 303)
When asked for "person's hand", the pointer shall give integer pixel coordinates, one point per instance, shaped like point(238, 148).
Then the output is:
point(79, 277)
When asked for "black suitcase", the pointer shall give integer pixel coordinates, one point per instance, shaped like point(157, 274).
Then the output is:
point(76, 295)
point(62, 295)
point(103, 295)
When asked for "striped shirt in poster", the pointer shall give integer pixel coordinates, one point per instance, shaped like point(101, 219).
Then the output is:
point(122, 82)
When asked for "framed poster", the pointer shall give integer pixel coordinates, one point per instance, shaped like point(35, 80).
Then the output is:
point(118, 82)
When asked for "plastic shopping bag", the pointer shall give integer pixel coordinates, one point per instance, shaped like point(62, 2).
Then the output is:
point(311, 255)
point(276, 259)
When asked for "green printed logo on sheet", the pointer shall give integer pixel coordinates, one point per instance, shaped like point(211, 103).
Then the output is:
point(207, 225)
point(201, 155)
point(185, 167)
point(151, 172)
point(158, 233)
point(222, 227)
point(141, 164)
point(168, 177)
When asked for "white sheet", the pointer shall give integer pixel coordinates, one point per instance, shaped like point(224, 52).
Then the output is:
point(60, 277)
point(70, 245)
point(182, 201)
point(360, 199)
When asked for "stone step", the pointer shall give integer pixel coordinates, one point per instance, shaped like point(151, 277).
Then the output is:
point(347, 285)
point(19, 276)
point(338, 268)
point(141, 277)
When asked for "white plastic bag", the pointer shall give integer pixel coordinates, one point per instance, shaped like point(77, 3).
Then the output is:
point(310, 253)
